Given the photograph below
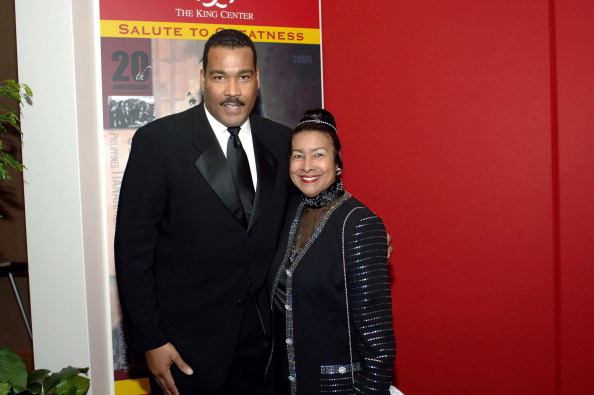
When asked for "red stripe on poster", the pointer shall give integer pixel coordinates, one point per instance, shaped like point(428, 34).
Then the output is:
point(304, 14)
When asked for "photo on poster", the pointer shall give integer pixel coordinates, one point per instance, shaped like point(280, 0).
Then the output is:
point(130, 111)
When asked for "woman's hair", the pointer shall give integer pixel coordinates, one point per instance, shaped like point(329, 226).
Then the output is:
point(321, 120)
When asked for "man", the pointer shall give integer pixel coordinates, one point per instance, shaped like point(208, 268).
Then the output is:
point(192, 252)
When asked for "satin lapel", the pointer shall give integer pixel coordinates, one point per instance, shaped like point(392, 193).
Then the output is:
point(213, 165)
point(267, 166)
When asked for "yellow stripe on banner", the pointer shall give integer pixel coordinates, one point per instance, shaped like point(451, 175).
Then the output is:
point(132, 387)
point(197, 31)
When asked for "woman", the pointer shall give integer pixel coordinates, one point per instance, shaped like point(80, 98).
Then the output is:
point(330, 291)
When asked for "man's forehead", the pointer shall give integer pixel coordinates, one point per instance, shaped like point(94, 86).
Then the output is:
point(228, 51)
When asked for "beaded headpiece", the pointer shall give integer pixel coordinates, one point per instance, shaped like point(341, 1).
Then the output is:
point(317, 121)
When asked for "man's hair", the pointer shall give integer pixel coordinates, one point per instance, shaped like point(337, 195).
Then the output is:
point(228, 38)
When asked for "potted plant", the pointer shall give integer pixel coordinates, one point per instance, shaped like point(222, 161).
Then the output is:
point(15, 379)
point(20, 93)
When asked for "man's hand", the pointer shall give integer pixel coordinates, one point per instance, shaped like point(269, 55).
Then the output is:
point(159, 361)
point(390, 248)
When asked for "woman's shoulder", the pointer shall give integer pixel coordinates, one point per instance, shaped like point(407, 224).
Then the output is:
point(352, 213)
point(357, 209)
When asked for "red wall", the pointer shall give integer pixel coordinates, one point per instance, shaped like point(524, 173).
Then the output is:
point(575, 65)
point(467, 126)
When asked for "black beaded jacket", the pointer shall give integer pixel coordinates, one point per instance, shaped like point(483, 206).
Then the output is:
point(338, 311)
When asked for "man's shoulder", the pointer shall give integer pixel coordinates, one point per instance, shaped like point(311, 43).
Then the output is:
point(185, 116)
point(171, 125)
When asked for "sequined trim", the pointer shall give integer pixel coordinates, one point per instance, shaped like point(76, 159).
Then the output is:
point(346, 293)
point(340, 369)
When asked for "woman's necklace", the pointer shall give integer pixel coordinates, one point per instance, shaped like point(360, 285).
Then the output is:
point(326, 196)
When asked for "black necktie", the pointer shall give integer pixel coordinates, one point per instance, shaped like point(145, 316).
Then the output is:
point(240, 168)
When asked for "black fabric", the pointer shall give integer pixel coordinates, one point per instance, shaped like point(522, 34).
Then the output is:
point(240, 168)
point(245, 377)
point(309, 221)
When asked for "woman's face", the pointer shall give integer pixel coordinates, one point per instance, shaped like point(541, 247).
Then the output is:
point(312, 165)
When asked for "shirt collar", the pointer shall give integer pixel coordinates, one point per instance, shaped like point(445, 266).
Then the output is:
point(218, 127)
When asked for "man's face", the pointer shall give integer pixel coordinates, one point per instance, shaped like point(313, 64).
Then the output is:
point(230, 84)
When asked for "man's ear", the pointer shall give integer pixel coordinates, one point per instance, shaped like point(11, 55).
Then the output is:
point(202, 77)
point(258, 77)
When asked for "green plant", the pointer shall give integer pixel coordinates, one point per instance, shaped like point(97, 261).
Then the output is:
point(15, 379)
point(19, 92)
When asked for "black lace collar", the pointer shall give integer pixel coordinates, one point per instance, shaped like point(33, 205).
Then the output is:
point(326, 196)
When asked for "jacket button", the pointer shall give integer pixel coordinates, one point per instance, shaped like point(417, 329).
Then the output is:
point(249, 233)
point(240, 302)
point(248, 266)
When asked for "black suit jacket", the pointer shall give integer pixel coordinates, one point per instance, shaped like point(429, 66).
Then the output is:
point(183, 259)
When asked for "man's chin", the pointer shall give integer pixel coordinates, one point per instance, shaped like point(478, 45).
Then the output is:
point(230, 120)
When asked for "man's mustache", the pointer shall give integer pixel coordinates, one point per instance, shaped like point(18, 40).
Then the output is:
point(232, 100)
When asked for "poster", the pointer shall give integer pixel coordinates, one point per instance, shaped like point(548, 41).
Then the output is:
point(150, 62)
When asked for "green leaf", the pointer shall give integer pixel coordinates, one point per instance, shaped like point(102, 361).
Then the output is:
point(12, 89)
point(4, 175)
point(11, 119)
point(12, 84)
point(12, 368)
point(65, 377)
point(5, 388)
point(17, 389)
point(28, 90)
point(8, 116)
point(12, 162)
point(34, 388)
point(73, 385)
point(36, 376)
point(7, 160)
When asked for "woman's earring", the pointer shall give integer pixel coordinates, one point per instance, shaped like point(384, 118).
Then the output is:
point(339, 171)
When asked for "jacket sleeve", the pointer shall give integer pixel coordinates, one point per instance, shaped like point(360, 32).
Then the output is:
point(141, 205)
point(370, 303)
